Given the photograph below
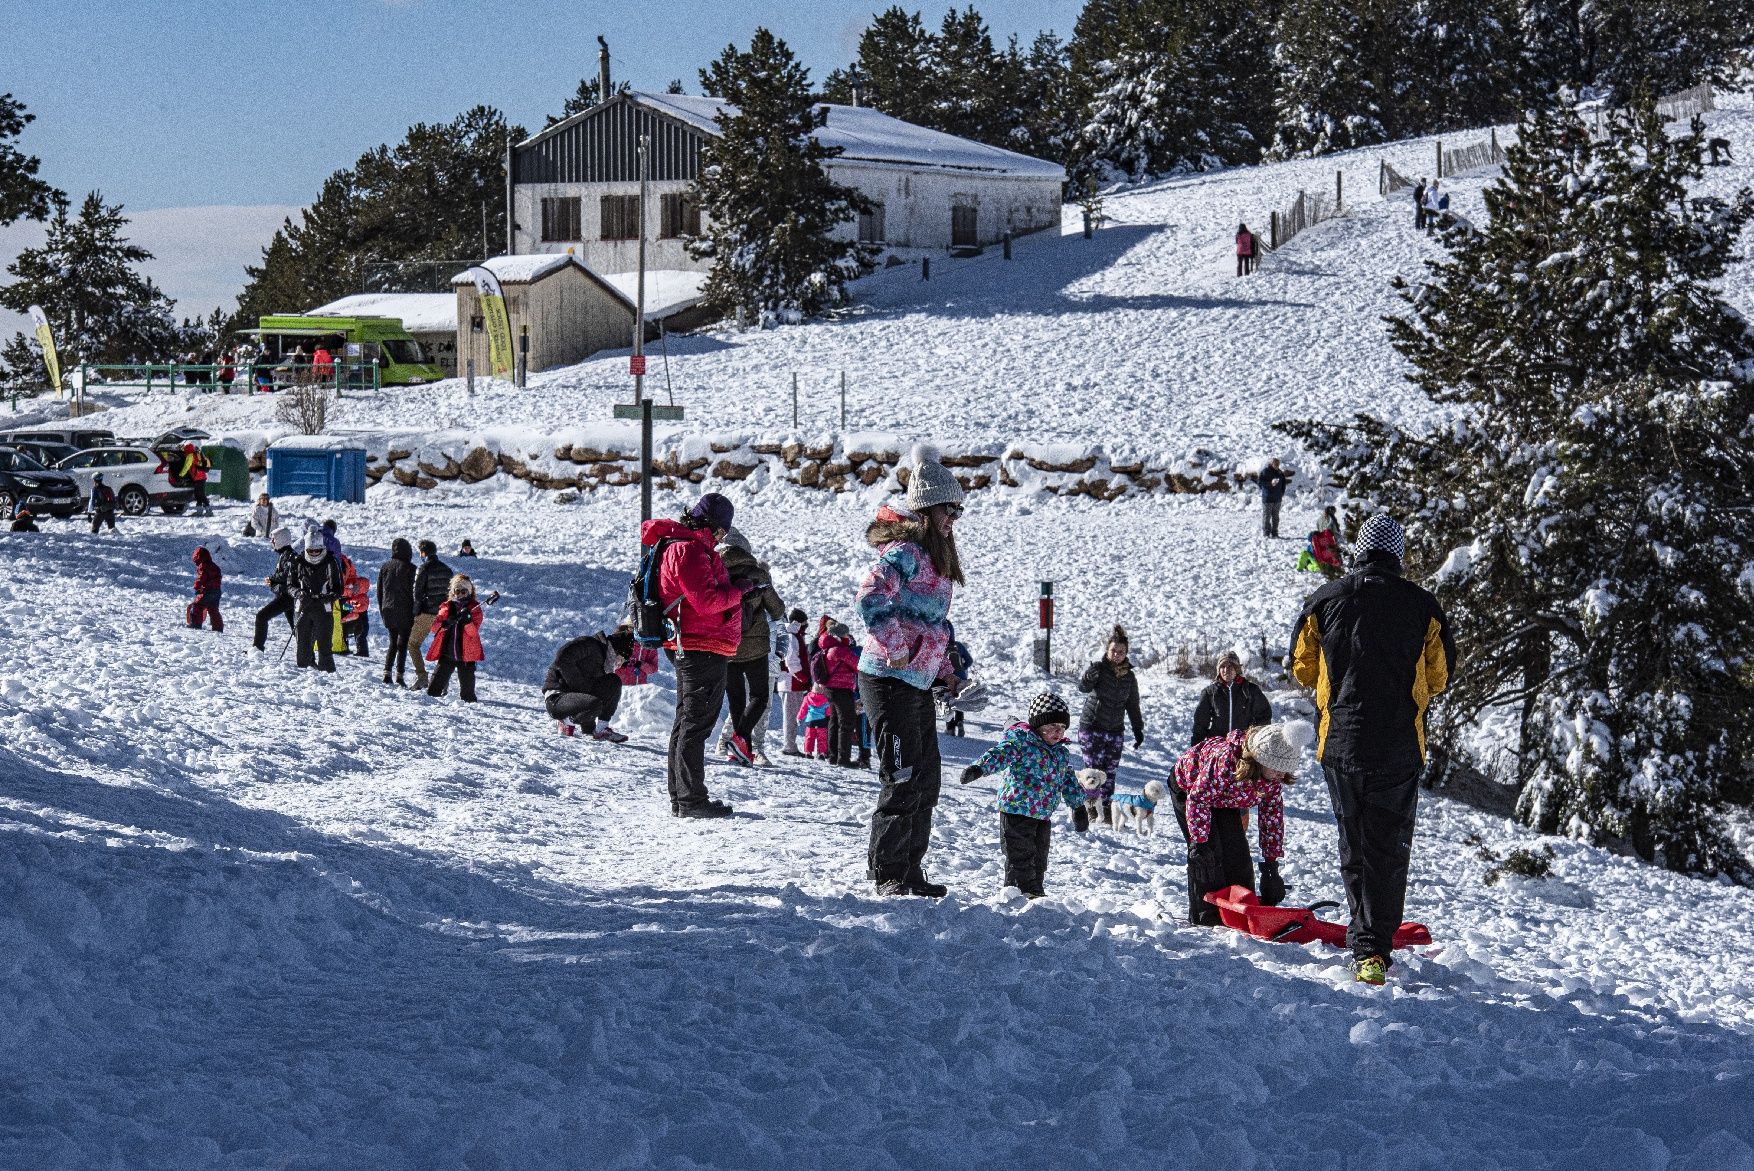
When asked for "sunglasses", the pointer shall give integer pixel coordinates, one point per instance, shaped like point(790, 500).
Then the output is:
point(953, 511)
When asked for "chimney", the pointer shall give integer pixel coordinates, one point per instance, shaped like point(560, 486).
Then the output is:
point(857, 83)
point(602, 70)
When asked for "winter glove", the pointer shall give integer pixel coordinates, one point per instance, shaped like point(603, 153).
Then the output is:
point(972, 772)
point(1138, 739)
point(1205, 869)
point(1081, 819)
point(1272, 886)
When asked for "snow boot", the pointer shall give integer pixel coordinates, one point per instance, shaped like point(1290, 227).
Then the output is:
point(1372, 970)
point(605, 732)
point(706, 809)
point(760, 760)
point(892, 887)
point(918, 884)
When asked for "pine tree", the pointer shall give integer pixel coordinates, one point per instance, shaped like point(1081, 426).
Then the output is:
point(771, 207)
point(967, 80)
point(23, 196)
point(1326, 99)
point(589, 94)
point(1459, 68)
point(1587, 496)
point(86, 280)
point(896, 60)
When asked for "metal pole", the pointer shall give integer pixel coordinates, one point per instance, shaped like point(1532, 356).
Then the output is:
point(511, 243)
point(843, 400)
point(645, 460)
point(469, 366)
point(1338, 203)
point(523, 355)
point(639, 314)
point(1439, 172)
point(794, 399)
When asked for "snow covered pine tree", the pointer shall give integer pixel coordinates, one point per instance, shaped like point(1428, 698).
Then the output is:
point(770, 203)
point(1588, 501)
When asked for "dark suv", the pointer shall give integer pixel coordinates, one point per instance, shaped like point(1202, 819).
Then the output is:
point(25, 481)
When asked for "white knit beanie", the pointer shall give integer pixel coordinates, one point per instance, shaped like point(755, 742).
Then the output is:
point(930, 482)
point(1280, 746)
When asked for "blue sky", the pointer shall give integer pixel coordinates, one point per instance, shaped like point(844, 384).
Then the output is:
point(162, 104)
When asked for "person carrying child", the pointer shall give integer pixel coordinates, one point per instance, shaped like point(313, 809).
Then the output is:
point(1038, 777)
point(207, 588)
point(456, 640)
point(815, 715)
point(1214, 781)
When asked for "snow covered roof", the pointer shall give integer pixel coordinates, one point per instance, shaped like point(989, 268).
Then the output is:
point(668, 290)
point(533, 266)
point(865, 135)
point(418, 312)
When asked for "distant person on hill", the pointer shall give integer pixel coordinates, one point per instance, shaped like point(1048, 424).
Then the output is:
point(1272, 481)
point(103, 504)
point(1229, 702)
point(1113, 688)
point(456, 640)
point(207, 589)
point(264, 518)
point(1717, 146)
point(582, 689)
point(466, 549)
point(1435, 203)
point(1329, 521)
point(1377, 648)
point(396, 608)
point(1419, 205)
point(432, 585)
point(1246, 247)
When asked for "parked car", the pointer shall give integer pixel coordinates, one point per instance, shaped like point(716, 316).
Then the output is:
point(139, 478)
point(79, 437)
point(25, 481)
point(47, 454)
point(177, 436)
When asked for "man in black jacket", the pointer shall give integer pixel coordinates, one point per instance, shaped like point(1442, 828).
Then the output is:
point(432, 585)
point(396, 607)
point(280, 581)
point(316, 587)
point(582, 689)
point(1375, 648)
point(1272, 481)
point(1229, 703)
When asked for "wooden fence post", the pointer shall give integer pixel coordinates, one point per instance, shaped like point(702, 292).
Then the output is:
point(1495, 155)
point(1337, 190)
point(1438, 174)
point(1382, 177)
point(1274, 229)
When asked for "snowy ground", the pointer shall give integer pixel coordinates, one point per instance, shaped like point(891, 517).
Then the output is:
point(254, 918)
point(257, 918)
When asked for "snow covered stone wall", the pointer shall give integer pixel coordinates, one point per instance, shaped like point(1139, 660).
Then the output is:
point(589, 458)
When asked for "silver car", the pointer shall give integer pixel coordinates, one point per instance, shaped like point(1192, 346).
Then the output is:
point(137, 476)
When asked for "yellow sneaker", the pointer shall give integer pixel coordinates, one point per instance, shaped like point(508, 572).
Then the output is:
point(1373, 970)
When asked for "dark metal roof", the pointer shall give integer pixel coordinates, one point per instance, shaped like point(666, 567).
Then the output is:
point(600, 145)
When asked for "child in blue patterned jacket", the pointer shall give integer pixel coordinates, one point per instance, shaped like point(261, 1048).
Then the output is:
point(1038, 777)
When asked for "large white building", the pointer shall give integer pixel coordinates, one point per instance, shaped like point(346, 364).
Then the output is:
point(576, 185)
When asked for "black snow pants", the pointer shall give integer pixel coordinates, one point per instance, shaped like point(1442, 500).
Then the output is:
point(397, 656)
point(1232, 841)
point(1375, 812)
point(584, 707)
point(282, 604)
point(843, 725)
point(1025, 841)
point(700, 690)
point(314, 632)
point(904, 727)
point(746, 692)
point(441, 679)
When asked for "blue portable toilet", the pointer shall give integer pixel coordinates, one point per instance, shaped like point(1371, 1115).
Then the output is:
point(331, 473)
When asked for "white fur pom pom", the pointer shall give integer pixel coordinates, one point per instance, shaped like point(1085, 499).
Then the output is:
point(1300, 734)
point(921, 453)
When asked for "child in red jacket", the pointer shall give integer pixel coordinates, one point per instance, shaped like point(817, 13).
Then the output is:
point(456, 640)
point(207, 587)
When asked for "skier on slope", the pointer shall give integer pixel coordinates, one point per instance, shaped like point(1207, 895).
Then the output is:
point(1376, 648)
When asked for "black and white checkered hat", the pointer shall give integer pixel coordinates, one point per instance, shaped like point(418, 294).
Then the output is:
point(1048, 708)
point(1380, 533)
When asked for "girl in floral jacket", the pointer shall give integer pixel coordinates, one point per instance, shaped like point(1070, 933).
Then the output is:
point(1038, 777)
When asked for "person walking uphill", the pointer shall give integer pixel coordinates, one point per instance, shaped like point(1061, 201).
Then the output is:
point(1245, 250)
point(1229, 702)
point(432, 586)
point(1375, 648)
point(396, 607)
point(904, 603)
point(1113, 688)
point(1272, 481)
point(456, 640)
point(1213, 782)
point(705, 630)
point(207, 590)
point(1038, 777)
point(746, 678)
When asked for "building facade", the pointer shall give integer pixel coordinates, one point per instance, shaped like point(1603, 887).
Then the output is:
point(576, 184)
point(569, 312)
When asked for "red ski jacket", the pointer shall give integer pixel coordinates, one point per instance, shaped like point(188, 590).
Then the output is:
point(207, 576)
point(461, 645)
point(710, 617)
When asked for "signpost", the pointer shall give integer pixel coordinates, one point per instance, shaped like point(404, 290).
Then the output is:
point(1044, 640)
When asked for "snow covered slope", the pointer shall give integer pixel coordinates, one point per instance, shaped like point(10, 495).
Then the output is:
point(256, 918)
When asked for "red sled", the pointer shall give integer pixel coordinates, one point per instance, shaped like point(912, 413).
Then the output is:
point(1240, 908)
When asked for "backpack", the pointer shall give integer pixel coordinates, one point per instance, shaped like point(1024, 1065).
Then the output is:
point(645, 605)
point(1443, 202)
point(819, 668)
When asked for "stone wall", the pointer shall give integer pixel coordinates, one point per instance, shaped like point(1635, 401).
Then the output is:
point(832, 464)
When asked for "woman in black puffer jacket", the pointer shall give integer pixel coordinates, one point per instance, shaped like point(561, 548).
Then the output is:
point(1229, 702)
point(1113, 687)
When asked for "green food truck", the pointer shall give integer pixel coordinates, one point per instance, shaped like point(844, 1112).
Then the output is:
point(286, 345)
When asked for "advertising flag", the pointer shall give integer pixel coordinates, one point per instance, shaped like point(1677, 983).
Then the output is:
point(494, 319)
point(46, 339)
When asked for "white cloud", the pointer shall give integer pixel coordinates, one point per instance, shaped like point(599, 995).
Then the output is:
point(198, 253)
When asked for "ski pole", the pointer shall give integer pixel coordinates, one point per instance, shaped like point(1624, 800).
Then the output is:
point(283, 647)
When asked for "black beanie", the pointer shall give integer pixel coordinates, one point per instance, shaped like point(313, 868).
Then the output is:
point(1048, 708)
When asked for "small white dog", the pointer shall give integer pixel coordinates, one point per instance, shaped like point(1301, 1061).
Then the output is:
point(1139, 809)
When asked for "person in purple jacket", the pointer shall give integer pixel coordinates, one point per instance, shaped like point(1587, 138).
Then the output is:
point(904, 603)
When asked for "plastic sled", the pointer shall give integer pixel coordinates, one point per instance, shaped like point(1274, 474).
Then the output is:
point(1240, 908)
